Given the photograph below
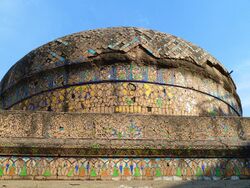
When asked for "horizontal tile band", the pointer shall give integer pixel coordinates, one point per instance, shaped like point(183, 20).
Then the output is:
point(121, 81)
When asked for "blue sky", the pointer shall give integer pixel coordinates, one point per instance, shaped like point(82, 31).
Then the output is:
point(222, 27)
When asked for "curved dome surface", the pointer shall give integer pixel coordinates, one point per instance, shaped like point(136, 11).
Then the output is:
point(121, 69)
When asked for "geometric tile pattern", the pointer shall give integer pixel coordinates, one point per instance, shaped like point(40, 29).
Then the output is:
point(123, 168)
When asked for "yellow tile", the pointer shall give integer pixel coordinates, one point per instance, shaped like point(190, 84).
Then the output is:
point(131, 109)
point(117, 109)
point(135, 109)
point(139, 109)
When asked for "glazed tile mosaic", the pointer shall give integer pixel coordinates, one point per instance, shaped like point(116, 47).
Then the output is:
point(158, 86)
point(123, 168)
point(123, 135)
point(121, 104)
point(52, 71)
point(127, 98)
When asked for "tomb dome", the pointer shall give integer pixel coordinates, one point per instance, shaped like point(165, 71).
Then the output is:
point(121, 70)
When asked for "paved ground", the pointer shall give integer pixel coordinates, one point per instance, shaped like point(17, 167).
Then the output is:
point(123, 184)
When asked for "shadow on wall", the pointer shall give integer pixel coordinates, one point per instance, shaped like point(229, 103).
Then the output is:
point(189, 184)
point(218, 111)
point(206, 109)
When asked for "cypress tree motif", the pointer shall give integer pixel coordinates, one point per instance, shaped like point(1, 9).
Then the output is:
point(217, 172)
point(126, 170)
point(47, 173)
point(82, 171)
point(237, 171)
point(115, 172)
point(70, 173)
point(208, 171)
point(93, 173)
point(12, 170)
point(198, 172)
point(121, 169)
point(158, 172)
point(131, 168)
point(1, 170)
point(178, 172)
point(23, 171)
point(137, 172)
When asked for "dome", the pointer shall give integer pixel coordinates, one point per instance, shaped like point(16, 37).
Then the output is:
point(120, 70)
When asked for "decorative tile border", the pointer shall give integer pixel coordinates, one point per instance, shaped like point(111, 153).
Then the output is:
point(120, 73)
point(124, 168)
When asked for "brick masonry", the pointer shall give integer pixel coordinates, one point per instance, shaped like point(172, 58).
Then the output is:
point(122, 146)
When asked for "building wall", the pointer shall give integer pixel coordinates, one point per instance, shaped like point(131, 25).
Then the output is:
point(126, 127)
point(123, 87)
point(47, 145)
